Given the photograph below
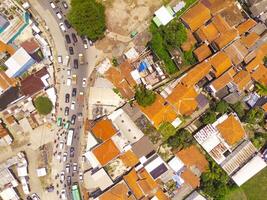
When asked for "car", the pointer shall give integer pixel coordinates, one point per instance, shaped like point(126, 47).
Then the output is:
point(67, 168)
point(73, 119)
point(75, 63)
point(84, 82)
point(71, 51)
point(61, 145)
point(63, 195)
point(74, 92)
point(68, 72)
point(68, 82)
point(74, 38)
point(62, 27)
point(81, 176)
point(67, 111)
point(80, 116)
point(72, 152)
point(67, 24)
point(59, 59)
point(74, 167)
point(91, 43)
point(67, 125)
point(50, 188)
point(67, 98)
point(28, 198)
point(34, 196)
point(68, 180)
point(62, 176)
point(65, 155)
point(59, 16)
point(65, 5)
point(52, 5)
point(85, 44)
point(67, 38)
point(72, 106)
point(83, 158)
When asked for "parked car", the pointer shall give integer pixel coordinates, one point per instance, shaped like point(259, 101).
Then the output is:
point(61, 145)
point(73, 119)
point(59, 59)
point(85, 44)
point(68, 168)
point(75, 63)
point(65, 5)
point(71, 51)
point(67, 111)
point(62, 27)
point(65, 155)
point(74, 167)
point(62, 176)
point(72, 106)
point(68, 82)
point(67, 37)
point(68, 180)
point(72, 152)
point(81, 176)
point(34, 196)
point(63, 195)
point(59, 16)
point(50, 188)
point(84, 82)
point(67, 98)
point(74, 37)
point(52, 5)
point(67, 24)
point(68, 72)
point(74, 92)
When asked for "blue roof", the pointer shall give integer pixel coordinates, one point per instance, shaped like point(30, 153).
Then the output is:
point(142, 66)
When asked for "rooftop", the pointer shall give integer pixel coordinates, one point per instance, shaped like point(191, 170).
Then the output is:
point(222, 81)
point(30, 45)
point(202, 52)
point(104, 129)
point(246, 26)
point(225, 38)
point(143, 147)
point(220, 63)
point(5, 81)
point(242, 79)
point(129, 158)
point(250, 39)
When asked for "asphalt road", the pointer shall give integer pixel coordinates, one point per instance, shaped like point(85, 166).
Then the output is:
point(61, 76)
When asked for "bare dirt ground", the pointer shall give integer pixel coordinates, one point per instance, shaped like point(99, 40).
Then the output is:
point(123, 17)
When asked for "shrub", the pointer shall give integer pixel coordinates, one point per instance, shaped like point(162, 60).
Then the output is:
point(144, 97)
point(43, 105)
point(167, 130)
point(209, 118)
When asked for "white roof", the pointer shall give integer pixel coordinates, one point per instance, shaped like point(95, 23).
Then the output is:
point(163, 15)
point(176, 122)
point(136, 76)
point(176, 164)
point(91, 141)
point(195, 196)
point(103, 66)
point(154, 164)
point(41, 172)
point(102, 179)
point(22, 171)
point(255, 165)
point(131, 54)
point(92, 159)
point(51, 92)
point(9, 194)
point(17, 61)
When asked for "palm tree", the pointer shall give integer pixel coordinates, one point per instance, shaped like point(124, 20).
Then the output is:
point(261, 89)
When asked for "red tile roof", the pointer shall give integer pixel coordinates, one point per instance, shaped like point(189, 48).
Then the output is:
point(104, 129)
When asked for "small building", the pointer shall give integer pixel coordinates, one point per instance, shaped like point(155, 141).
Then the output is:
point(6, 82)
point(4, 23)
point(19, 63)
point(9, 194)
point(41, 172)
point(195, 196)
point(101, 179)
point(33, 49)
point(163, 16)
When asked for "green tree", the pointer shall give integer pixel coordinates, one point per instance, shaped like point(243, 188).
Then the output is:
point(3, 68)
point(221, 107)
point(88, 18)
point(239, 109)
point(209, 118)
point(167, 130)
point(182, 139)
point(43, 105)
point(189, 58)
point(144, 97)
point(255, 115)
point(261, 89)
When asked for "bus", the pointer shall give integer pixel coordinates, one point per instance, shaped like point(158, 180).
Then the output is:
point(69, 137)
point(75, 192)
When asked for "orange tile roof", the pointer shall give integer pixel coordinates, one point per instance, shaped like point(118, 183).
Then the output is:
point(105, 152)
point(208, 32)
point(10, 119)
point(196, 74)
point(202, 52)
point(220, 23)
point(3, 131)
point(259, 74)
point(161, 195)
point(246, 26)
point(222, 81)
point(6, 48)
point(196, 16)
point(190, 178)
point(115, 76)
point(190, 41)
point(160, 111)
point(242, 79)
point(192, 156)
point(5, 81)
point(129, 158)
point(104, 129)
point(118, 192)
point(254, 64)
point(231, 130)
point(183, 99)
point(250, 39)
point(264, 107)
point(216, 6)
point(220, 63)
point(126, 69)
point(225, 38)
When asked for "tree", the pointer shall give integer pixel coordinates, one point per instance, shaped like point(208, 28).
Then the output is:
point(254, 116)
point(88, 18)
point(3, 68)
point(182, 139)
point(209, 118)
point(261, 89)
point(167, 130)
point(189, 58)
point(144, 97)
point(239, 109)
point(221, 107)
point(43, 105)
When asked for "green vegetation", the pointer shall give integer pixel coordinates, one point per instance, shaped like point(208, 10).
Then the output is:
point(43, 105)
point(3, 68)
point(181, 139)
point(88, 18)
point(239, 109)
point(259, 139)
point(254, 116)
point(144, 97)
point(209, 118)
point(214, 182)
point(167, 130)
point(221, 107)
point(261, 89)
point(189, 58)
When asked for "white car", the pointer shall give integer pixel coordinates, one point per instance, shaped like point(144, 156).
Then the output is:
point(59, 16)
point(62, 176)
point(74, 167)
point(34, 196)
point(61, 145)
point(72, 106)
point(68, 72)
point(62, 27)
point(84, 82)
point(65, 155)
point(59, 59)
point(68, 81)
point(52, 5)
point(63, 194)
point(81, 176)
point(67, 168)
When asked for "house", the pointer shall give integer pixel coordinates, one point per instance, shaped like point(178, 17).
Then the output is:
point(196, 16)
point(246, 26)
point(143, 149)
point(32, 47)
point(4, 23)
point(220, 62)
point(104, 129)
point(202, 52)
point(249, 40)
point(163, 16)
point(242, 81)
point(225, 38)
point(258, 8)
point(5, 138)
point(237, 52)
point(19, 63)
point(6, 82)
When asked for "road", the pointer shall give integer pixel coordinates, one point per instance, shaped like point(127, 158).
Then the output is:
point(48, 14)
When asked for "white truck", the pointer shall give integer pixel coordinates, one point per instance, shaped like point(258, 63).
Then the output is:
point(69, 137)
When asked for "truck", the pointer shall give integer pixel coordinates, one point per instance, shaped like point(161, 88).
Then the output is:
point(69, 137)
point(81, 59)
point(74, 79)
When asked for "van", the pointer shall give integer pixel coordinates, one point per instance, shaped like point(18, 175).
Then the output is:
point(62, 27)
point(68, 81)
